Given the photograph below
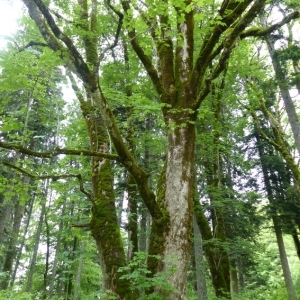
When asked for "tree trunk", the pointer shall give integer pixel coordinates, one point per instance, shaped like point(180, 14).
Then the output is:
point(6, 211)
point(36, 245)
point(47, 256)
point(132, 217)
point(69, 281)
point(239, 264)
point(22, 243)
point(219, 274)
point(78, 274)
point(282, 82)
point(199, 262)
point(284, 262)
point(296, 242)
point(179, 190)
point(104, 223)
point(11, 248)
point(57, 250)
point(282, 253)
point(234, 284)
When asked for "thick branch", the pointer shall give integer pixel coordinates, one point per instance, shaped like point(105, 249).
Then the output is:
point(204, 58)
point(53, 177)
point(256, 31)
point(228, 45)
point(79, 63)
point(48, 36)
point(56, 151)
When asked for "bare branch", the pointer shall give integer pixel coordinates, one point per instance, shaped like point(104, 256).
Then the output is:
point(53, 177)
point(55, 152)
point(118, 31)
point(32, 43)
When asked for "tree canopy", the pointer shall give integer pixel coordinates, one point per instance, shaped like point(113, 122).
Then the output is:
point(165, 132)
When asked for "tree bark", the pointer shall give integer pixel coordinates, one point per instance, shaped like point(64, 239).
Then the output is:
point(199, 261)
point(178, 199)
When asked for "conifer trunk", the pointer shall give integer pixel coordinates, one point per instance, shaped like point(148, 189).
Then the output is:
point(282, 82)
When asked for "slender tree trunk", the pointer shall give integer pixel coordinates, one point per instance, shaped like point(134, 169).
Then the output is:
point(11, 248)
point(144, 228)
point(284, 262)
point(6, 212)
point(57, 250)
point(27, 222)
point(239, 263)
point(199, 261)
point(296, 242)
point(69, 283)
point(79, 273)
point(234, 284)
point(219, 276)
point(145, 217)
point(47, 257)
point(282, 253)
point(132, 217)
point(37, 241)
point(131, 185)
point(215, 193)
point(282, 82)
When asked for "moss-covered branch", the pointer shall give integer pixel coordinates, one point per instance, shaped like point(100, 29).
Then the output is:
point(53, 177)
point(52, 35)
point(257, 31)
point(55, 152)
point(211, 39)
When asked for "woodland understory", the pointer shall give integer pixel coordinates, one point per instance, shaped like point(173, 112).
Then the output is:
point(150, 150)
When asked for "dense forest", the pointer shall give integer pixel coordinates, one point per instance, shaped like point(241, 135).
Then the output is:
point(150, 150)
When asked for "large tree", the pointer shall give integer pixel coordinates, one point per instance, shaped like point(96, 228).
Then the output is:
point(183, 46)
